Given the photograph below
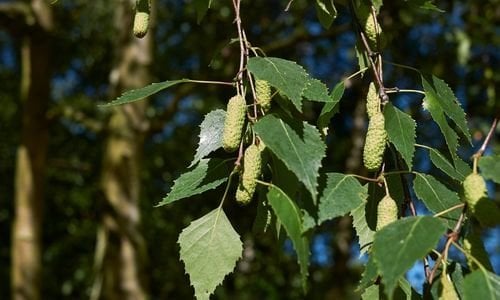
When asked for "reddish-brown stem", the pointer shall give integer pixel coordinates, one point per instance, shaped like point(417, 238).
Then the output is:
point(452, 237)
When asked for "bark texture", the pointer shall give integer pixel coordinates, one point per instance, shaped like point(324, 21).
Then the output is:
point(32, 151)
point(121, 255)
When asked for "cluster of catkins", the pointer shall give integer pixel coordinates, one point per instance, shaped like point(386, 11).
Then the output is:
point(232, 136)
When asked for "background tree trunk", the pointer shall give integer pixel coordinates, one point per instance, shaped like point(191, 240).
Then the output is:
point(31, 154)
point(121, 254)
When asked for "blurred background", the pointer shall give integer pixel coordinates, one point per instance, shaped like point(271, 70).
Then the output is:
point(78, 183)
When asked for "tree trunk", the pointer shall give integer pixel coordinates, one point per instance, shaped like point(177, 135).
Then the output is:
point(31, 156)
point(121, 254)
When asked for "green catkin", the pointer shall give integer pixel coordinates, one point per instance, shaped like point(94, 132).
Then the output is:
point(387, 212)
point(141, 18)
point(474, 189)
point(473, 246)
point(447, 289)
point(233, 126)
point(370, 25)
point(263, 94)
point(373, 152)
point(372, 101)
point(252, 166)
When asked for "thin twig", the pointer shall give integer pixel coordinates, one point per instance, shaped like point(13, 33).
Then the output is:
point(481, 150)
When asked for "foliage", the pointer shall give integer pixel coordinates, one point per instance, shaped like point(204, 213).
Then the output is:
point(299, 146)
point(75, 207)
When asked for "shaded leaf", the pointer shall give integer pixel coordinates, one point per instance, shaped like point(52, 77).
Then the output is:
point(330, 108)
point(398, 245)
point(210, 248)
point(369, 275)
point(290, 217)
point(326, 12)
point(482, 285)
point(286, 76)
point(400, 129)
point(487, 212)
point(138, 94)
point(490, 167)
point(210, 134)
point(201, 7)
point(377, 4)
point(297, 144)
point(342, 194)
point(208, 174)
point(363, 231)
point(444, 165)
point(437, 197)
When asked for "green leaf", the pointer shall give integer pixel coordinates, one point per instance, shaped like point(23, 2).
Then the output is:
point(398, 245)
point(330, 108)
point(210, 248)
point(482, 285)
point(207, 175)
point(369, 275)
point(286, 76)
point(437, 197)
point(210, 134)
point(298, 145)
point(363, 231)
point(290, 217)
point(405, 291)
point(440, 101)
point(316, 91)
point(138, 94)
point(444, 165)
point(424, 4)
point(371, 293)
point(487, 212)
point(201, 7)
point(377, 4)
point(326, 12)
point(461, 166)
point(400, 129)
point(490, 167)
point(342, 194)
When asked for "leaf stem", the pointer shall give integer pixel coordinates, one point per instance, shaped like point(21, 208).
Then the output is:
point(398, 90)
point(355, 74)
point(481, 150)
point(364, 178)
point(227, 187)
point(448, 210)
point(211, 82)
point(402, 66)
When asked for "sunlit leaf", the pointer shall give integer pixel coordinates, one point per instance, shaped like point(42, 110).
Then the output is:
point(210, 134)
point(210, 248)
